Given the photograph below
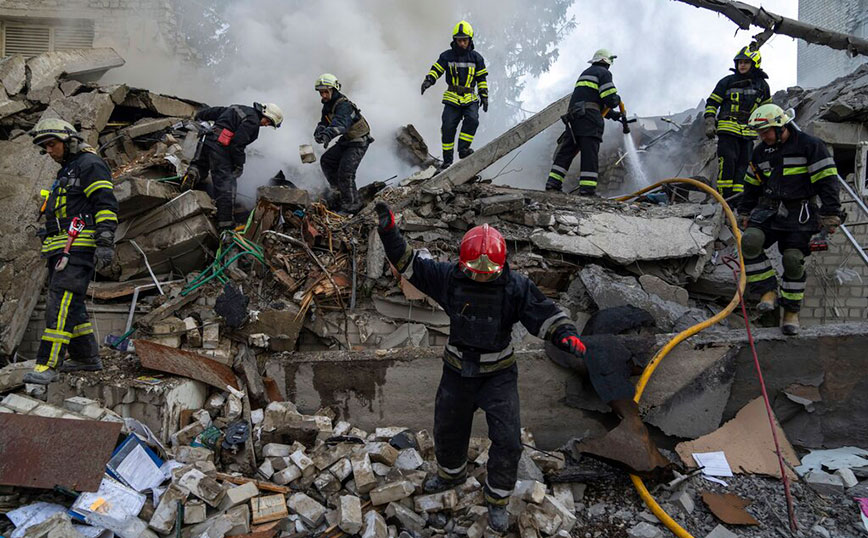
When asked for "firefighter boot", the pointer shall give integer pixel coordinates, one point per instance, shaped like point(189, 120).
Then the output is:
point(92, 364)
point(464, 153)
point(767, 302)
point(790, 323)
point(41, 375)
point(587, 191)
point(437, 483)
point(553, 184)
point(498, 518)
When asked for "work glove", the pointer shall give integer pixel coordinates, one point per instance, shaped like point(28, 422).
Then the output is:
point(567, 338)
point(318, 131)
point(427, 83)
point(830, 223)
point(614, 115)
point(484, 104)
point(326, 136)
point(237, 171)
point(103, 257)
point(385, 217)
point(710, 126)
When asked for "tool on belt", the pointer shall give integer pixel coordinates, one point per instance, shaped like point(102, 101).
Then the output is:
point(820, 242)
point(75, 227)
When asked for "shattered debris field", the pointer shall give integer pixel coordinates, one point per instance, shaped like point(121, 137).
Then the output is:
point(282, 382)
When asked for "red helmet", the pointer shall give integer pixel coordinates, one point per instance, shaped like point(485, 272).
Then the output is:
point(483, 253)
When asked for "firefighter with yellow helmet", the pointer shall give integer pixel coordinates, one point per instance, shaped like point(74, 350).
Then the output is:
point(727, 111)
point(789, 172)
point(465, 73)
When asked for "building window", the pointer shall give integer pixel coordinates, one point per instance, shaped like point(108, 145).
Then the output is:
point(32, 38)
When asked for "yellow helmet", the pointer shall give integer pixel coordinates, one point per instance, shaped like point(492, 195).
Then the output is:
point(603, 55)
point(273, 112)
point(326, 81)
point(48, 128)
point(753, 56)
point(462, 29)
point(770, 115)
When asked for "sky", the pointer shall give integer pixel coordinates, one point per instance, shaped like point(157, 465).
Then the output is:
point(670, 54)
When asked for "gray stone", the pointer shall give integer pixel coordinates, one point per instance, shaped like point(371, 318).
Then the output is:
point(238, 495)
point(13, 74)
point(20, 404)
point(409, 459)
point(163, 520)
point(666, 291)
point(310, 511)
point(8, 106)
point(848, 478)
point(350, 514)
point(683, 501)
point(527, 469)
point(376, 255)
point(409, 519)
point(501, 203)
point(824, 483)
point(12, 375)
point(283, 195)
point(393, 491)
point(721, 532)
point(644, 530)
point(375, 525)
point(70, 87)
point(566, 513)
point(626, 239)
point(597, 510)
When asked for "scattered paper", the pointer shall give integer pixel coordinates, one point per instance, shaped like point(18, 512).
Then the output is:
point(32, 514)
point(713, 463)
point(139, 470)
point(715, 480)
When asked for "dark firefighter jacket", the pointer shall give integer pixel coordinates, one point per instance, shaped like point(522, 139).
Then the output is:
point(343, 117)
point(463, 68)
point(241, 120)
point(733, 100)
point(782, 180)
point(481, 315)
point(594, 92)
point(84, 189)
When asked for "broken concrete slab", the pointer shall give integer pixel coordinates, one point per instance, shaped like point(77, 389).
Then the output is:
point(406, 335)
point(137, 195)
point(160, 104)
point(183, 248)
point(12, 375)
point(146, 126)
point(283, 195)
point(281, 326)
point(89, 111)
point(747, 443)
point(8, 106)
point(183, 206)
point(501, 203)
point(625, 239)
point(82, 64)
point(13, 74)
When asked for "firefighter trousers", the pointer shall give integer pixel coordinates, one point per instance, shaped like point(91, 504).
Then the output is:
point(733, 156)
point(457, 399)
point(224, 181)
point(468, 117)
point(794, 246)
point(67, 326)
point(589, 146)
point(339, 164)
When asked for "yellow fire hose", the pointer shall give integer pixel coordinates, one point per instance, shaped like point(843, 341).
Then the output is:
point(658, 357)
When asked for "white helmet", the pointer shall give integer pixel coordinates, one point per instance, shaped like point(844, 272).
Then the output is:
point(603, 55)
point(273, 113)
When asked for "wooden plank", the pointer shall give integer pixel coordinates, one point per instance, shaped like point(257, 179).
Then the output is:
point(261, 484)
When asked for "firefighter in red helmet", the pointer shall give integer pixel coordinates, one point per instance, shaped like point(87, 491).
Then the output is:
point(483, 299)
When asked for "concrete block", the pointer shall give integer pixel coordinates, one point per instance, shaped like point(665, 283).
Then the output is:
point(545, 521)
point(567, 514)
point(310, 511)
point(848, 478)
point(211, 335)
point(327, 483)
point(20, 404)
point(178, 247)
point(137, 195)
point(266, 470)
point(530, 491)
point(276, 450)
point(409, 459)
point(163, 520)
point(194, 337)
point(563, 492)
point(161, 104)
point(202, 486)
point(12, 375)
point(393, 491)
point(684, 501)
point(181, 207)
point(350, 514)
point(185, 435)
point(192, 454)
point(194, 512)
point(268, 508)
point(363, 473)
point(286, 476)
point(720, 532)
point(283, 195)
point(382, 452)
point(644, 530)
point(342, 469)
point(824, 483)
point(426, 444)
point(381, 469)
point(238, 495)
point(13, 74)
point(375, 525)
point(77, 404)
point(477, 530)
point(300, 459)
point(409, 519)
point(501, 203)
point(436, 502)
point(384, 434)
point(305, 151)
point(48, 411)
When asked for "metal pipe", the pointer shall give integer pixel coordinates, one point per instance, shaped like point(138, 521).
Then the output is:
point(855, 244)
point(136, 291)
point(148, 265)
point(856, 198)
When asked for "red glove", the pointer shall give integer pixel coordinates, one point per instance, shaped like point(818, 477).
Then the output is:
point(385, 217)
point(573, 345)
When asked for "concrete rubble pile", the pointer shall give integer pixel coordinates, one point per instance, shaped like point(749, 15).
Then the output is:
point(146, 138)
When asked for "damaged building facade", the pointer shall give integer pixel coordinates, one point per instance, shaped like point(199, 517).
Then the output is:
point(283, 384)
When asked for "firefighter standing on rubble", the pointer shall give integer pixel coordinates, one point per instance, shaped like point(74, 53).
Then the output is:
point(593, 94)
point(341, 117)
point(223, 151)
point(483, 299)
point(464, 68)
point(80, 220)
point(732, 101)
point(788, 171)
